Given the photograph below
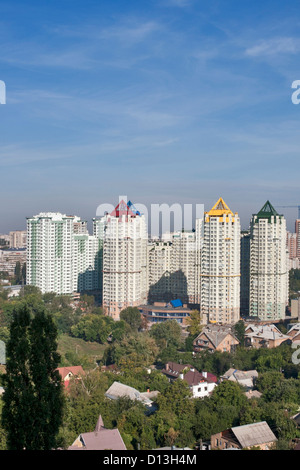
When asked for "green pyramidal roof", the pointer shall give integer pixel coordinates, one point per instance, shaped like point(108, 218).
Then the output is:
point(267, 211)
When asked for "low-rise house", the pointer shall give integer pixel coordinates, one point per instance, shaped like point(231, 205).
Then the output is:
point(216, 338)
point(67, 373)
point(201, 384)
point(118, 390)
point(100, 439)
point(267, 336)
point(163, 311)
point(296, 419)
point(253, 394)
point(245, 378)
point(258, 435)
point(294, 333)
point(13, 291)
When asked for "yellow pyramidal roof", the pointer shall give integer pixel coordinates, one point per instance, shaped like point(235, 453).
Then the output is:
point(220, 209)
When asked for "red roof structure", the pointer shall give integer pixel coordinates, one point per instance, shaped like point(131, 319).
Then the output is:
point(67, 372)
point(189, 373)
point(122, 209)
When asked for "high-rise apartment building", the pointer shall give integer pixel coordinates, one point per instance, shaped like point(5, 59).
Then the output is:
point(297, 230)
point(268, 265)
point(183, 266)
point(245, 273)
point(61, 256)
point(220, 265)
point(159, 277)
point(17, 239)
point(124, 242)
point(291, 243)
point(86, 264)
point(172, 268)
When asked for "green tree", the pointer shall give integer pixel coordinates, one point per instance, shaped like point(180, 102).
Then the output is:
point(93, 327)
point(132, 316)
point(229, 392)
point(33, 397)
point(18, 273)
point(135, 350)
point(167, 334)
point(239, 331)
point(194, 323)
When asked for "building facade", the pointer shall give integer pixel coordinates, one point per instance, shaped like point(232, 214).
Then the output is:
point(220, 265)
point(61, 256)
point(17, 239)
point(245, 274)
point(124, 272)
point(269, 270)
point(297, 230)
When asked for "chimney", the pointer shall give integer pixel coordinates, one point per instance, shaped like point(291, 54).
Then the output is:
point(204, 374)
point(181, 376)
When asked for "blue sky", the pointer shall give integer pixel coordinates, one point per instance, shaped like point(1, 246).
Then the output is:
point(166, 101)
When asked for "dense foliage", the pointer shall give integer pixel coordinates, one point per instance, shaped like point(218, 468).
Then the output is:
point(138, 354)
point(33, 393)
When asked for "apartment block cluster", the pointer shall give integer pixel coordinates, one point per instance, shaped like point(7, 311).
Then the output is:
point(293, 245)
point(12, 250)
point(216, 268)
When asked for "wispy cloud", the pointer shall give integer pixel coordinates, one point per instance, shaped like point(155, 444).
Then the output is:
point(130, 32)
point(274, 46)
point(178, 3)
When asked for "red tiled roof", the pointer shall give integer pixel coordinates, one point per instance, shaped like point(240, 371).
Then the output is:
point(192, 376)
point(74, 370)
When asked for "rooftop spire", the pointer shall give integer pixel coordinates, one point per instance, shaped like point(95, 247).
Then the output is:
point(267, 211)
point(220, 209)
point(122, 209)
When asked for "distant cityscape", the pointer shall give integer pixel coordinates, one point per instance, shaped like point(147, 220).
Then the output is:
point(224, 272)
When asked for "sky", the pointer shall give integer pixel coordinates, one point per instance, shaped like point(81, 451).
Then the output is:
point(165, 101)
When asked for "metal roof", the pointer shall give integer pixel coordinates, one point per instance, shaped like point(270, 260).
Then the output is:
point(254, 434)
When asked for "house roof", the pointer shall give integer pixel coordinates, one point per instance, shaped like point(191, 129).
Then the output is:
point(254, 434)
point(119, 390)
point(100, 439)
point(216, 333)
point(191, 375)
point(267, 332)
point(73, 370)
point(240, 375)
point(295, 327)
point(253, 394)
point(174, 369)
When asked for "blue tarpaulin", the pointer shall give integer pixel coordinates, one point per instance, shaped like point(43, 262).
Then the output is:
point(176, 303)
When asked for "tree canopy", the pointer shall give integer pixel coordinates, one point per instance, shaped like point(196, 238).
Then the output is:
point(33, 397)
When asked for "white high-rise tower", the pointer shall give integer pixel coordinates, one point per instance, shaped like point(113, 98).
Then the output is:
point(124, 233)
point(269, 275)
point(50, 244)
point(61, 255)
